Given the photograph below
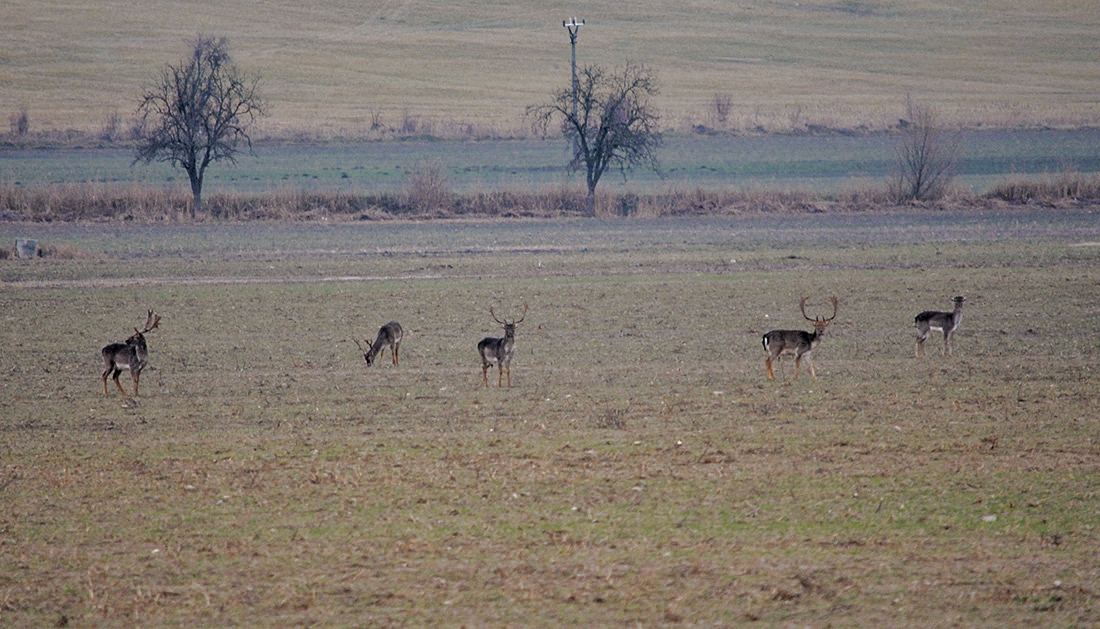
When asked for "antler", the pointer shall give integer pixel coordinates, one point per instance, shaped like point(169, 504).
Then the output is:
point(505, 322)
point(156, 322)
point(523, 316)
point(802, 305)
point(360, 346)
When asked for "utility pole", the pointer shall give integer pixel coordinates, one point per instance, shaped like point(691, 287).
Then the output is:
point(574, 27)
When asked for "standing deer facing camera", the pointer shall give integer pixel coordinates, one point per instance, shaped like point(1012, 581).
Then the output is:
point(131, 356)
point(796, 342)
point(500, 350)
point(946, 322)
point(389, 336)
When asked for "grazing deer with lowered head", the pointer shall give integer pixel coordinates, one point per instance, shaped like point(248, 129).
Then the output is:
point(131, 356)
point(946, 322)
point(796, 342)
point(500, 350)
point(389, 336)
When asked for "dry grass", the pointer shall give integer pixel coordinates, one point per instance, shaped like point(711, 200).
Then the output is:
point(353, 69)
point(640, 471)
point(1050, 189)
point(427, 195)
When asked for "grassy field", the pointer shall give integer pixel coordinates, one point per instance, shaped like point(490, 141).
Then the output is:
point(641, 470)
point(463, 67)
point(821, 164)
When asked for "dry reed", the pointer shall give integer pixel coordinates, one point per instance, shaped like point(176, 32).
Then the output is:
point(428, 196)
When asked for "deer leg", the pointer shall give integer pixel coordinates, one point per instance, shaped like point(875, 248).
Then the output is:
point(485, 373)
point(500, 373)
point(118, 372)
point(946, 343)
point(768, 365)
point(922, 336)
point(509, 376)
point(136, 375)
point(395, 354)
point(106, 374)
point(797, 364)
point(810, 362)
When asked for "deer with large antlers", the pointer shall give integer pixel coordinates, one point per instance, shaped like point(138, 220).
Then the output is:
point(132, 356)
point(389, 336)
point(946, 322)
point(500, 350)
point(796, 343)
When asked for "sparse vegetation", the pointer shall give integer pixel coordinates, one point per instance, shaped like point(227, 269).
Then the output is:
point(112, 128)
point(640, 471)
point(427, 196)
point(1050, 189)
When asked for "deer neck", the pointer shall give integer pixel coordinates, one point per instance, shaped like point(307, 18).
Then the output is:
point(508, 341)
point(140, 349)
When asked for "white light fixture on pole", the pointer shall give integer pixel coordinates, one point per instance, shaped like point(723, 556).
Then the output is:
point(574, 27)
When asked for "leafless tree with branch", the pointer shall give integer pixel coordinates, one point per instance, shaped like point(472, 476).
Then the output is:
point(198, 112)
point(20, 123)
point(611, 122)
point(927, 156)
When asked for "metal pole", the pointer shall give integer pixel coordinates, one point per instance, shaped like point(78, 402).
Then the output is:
point(573, 26)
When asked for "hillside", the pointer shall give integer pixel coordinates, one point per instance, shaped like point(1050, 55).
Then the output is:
point(335, 66)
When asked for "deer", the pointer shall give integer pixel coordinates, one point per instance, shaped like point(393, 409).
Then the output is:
point(796, 343)
point(131, 355)
point(946, 322)
point(389, 336)
point(500, 350)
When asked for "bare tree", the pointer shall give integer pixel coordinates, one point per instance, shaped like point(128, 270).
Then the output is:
point(20, 123)
point(198, 113)
point(721, 106)
point(927, 156)
point(612, 123)
point(376, 120)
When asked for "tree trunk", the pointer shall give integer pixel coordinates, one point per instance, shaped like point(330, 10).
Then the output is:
point(196, 195)
point(590, 202)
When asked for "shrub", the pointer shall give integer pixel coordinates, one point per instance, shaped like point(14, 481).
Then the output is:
point(927, 157)
point(63, 252)
point(20, 123)
point(1068, 185)
point(426, 188)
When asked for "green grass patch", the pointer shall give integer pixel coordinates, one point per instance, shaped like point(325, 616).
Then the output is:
point(823, 165)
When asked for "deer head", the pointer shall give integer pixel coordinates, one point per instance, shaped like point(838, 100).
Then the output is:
point(819, 322)
point(510, 326)
point(368, 354)
point(151, 323)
